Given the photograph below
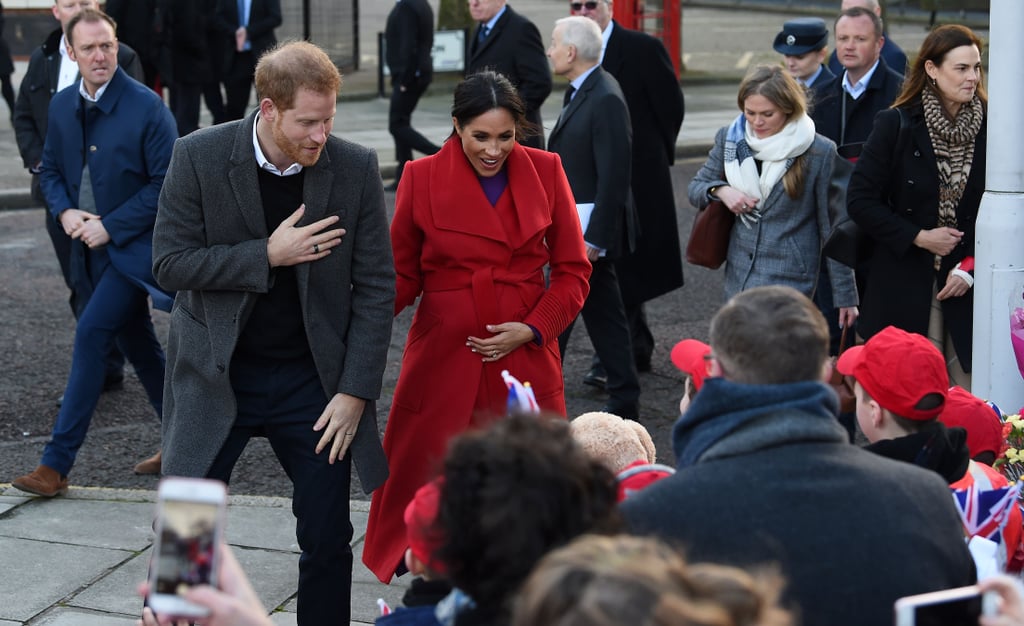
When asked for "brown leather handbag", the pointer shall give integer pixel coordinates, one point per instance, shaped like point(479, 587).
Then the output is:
point(709, 238)
point(843, 385)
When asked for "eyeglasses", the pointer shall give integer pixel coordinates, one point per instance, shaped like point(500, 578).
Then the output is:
point(590, 4)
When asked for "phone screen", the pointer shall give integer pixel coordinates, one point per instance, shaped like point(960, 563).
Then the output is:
point(962, 612)
point(188, 538)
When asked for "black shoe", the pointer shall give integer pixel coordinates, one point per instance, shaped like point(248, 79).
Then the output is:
point(596, 377)
point(113, 382)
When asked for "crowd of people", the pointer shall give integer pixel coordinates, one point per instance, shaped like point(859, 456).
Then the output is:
point(267, 239)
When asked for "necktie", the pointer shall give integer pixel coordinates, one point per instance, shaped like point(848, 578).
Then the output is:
point(568, 96)
point(481, 34)
point(241, 12)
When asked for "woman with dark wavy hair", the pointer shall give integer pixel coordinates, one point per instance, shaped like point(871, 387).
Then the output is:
point(916, 191)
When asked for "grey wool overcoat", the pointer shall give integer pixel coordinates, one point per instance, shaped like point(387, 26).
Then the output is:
point(210, 245)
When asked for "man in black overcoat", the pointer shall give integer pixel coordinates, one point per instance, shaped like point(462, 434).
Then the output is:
point(510, 44)
point(649, 83)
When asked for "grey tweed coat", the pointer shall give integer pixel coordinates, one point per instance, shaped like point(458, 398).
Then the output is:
point(210, 245)
point(784, 247)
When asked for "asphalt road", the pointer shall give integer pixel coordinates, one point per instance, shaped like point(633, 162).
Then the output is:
point(37, 332)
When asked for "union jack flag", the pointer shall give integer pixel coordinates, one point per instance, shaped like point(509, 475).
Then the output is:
point(520, 396)
point(984, 512)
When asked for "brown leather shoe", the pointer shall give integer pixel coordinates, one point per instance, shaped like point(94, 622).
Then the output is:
point(43, 481)
point(149, 466)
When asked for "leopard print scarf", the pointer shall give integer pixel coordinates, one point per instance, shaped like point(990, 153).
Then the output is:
point(953, 142)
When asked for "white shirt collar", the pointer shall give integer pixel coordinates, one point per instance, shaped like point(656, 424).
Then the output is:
point(605, 36)
point(858, 90)
point(261, 158)
point(99, 92)
point(68, 70)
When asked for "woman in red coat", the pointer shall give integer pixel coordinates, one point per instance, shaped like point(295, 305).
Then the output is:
point(475, 226)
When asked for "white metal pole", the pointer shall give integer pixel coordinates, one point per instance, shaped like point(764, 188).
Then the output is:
point(999, 240)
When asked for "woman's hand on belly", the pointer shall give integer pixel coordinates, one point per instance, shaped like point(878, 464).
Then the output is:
point(506, 338)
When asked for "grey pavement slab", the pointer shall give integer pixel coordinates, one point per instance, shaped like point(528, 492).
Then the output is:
point(272, 528)
point(47, 572)
point(73, 617)
point(116, 591)
point(9, 502)
point(101, 524)
point(274, 575)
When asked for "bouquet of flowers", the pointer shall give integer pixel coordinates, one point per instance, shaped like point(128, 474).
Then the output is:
point(1011, 457)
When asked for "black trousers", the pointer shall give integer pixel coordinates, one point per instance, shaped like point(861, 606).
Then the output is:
point(281, 401)
point(605, 318)
point(407, 139)
point(185, 99)
point(237, 85)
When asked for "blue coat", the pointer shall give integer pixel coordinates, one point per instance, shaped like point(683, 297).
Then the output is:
point(130, 138)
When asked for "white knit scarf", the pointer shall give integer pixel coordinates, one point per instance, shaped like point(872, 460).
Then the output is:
point(776, 154)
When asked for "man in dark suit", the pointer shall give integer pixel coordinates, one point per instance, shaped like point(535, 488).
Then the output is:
point(409, 37)
point(645, 73)
point(246, 31)
point(137, 22)
point(510, 44)
point(848, 103)
point(50, 69)
point(105, 199)
point(277, 242)
point(894, 56)
point(845, 113)
point(591, 135)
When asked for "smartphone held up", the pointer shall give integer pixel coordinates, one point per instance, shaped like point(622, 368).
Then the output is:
point(961, 606)
point(189, 528)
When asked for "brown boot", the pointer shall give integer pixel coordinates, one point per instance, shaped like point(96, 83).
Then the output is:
point(149, 466)
point(43, 481)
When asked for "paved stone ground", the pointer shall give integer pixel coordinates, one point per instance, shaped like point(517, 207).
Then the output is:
point(36, 330)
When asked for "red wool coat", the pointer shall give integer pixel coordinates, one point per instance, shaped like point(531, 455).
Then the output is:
point(473, 265)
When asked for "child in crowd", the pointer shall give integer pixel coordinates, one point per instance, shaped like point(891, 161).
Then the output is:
point(623, 446)
point(902, 388)
point(429, 585)
point(511, 494)
point(641, 581)
point(693, 358)
point(980, 419)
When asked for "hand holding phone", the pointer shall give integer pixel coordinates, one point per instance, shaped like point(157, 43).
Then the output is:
point(189, 527)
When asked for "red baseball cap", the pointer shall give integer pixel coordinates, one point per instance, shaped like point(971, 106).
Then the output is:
point(898, 369)
point(983, 424)
point(421, 529)
point(690, 356)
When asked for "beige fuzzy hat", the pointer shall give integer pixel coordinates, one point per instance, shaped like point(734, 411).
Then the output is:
point(613, 441)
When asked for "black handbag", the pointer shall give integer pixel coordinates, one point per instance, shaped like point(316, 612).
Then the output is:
point(847, 242)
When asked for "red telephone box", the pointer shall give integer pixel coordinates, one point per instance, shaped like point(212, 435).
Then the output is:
point(660, 18)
